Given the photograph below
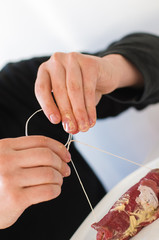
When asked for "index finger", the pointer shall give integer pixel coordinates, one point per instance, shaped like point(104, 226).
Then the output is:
point(22, 143)
point(43, 94)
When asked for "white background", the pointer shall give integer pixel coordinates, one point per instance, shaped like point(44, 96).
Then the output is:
point(35, 28)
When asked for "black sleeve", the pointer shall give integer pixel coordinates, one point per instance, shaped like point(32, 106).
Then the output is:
point(142, 50)
point(17, 98)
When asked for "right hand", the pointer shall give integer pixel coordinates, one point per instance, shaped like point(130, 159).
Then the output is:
point(31, 171)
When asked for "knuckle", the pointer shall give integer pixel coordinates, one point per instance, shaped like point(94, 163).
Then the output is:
point(44, 141)
point(59, 179)
point(54, 176)
point(61, 147)
point(91, 65)
point(48, 154)
point(72, 55)
point(45, 154)
point(49, 174)
point(59, 163)
point(92, 111)
point(56, 56)
point(39, 87)
point(42, 67)
point(54, 191)
point(59, 90)
point(80, 113)
point(82, 119)
point(66, 113)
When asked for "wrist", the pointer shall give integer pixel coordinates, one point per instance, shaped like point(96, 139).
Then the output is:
point(124, 73)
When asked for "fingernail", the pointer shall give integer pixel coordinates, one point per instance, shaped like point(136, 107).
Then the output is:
point(68, 126)
point(91, 122)
point(83, 126)
point(68, 171)
point(68, 156)
point(54, 118)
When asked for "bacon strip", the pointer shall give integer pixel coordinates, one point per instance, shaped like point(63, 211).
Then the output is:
point(136, 208)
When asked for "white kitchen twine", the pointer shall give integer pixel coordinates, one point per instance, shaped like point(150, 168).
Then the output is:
point(69, 141)
point(67, 145)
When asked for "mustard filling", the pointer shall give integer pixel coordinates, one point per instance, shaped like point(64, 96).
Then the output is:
point(121, 203)
point(148, 203)
point(142, 216)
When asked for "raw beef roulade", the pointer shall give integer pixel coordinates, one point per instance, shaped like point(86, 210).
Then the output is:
point(136, 208)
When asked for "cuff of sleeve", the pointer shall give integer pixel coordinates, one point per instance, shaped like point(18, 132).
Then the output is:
point(131, 95)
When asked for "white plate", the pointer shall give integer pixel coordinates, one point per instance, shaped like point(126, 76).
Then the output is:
point(85, 232)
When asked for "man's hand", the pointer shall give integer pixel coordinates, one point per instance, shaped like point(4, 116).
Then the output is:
point(31, 171)
point(78, 82)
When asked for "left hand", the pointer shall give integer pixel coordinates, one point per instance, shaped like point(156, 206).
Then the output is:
point(78, 84)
